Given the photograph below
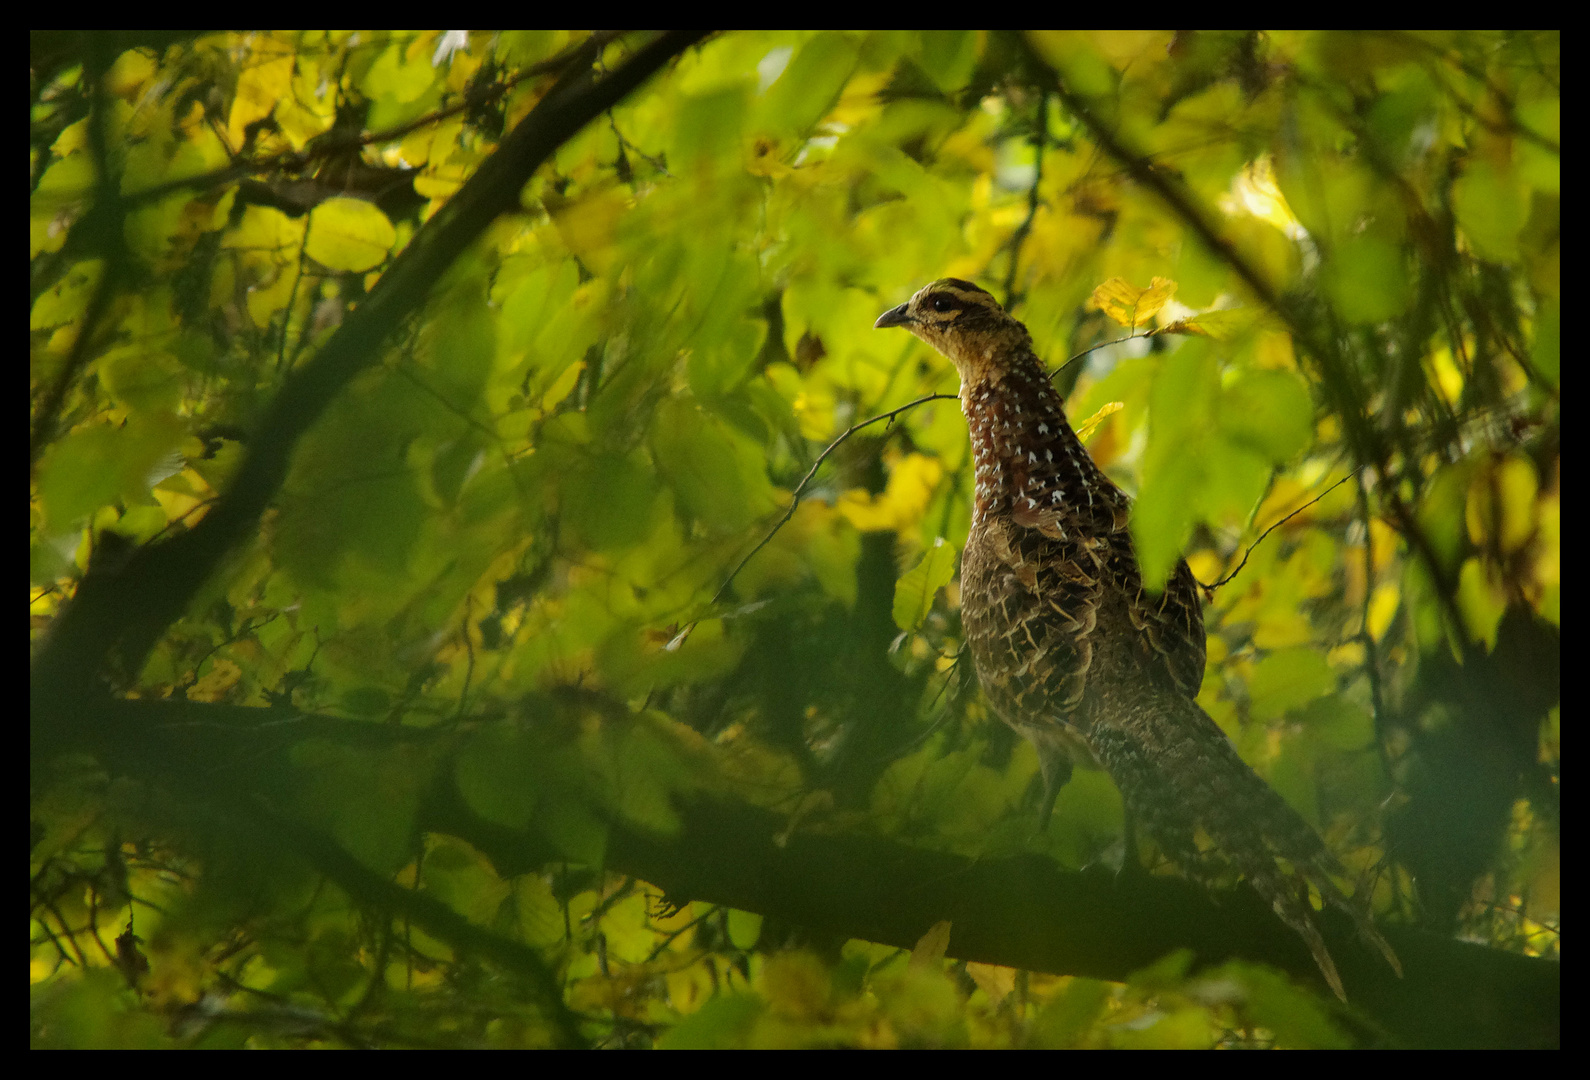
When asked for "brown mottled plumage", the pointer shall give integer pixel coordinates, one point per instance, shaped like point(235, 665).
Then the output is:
point(1070, 649)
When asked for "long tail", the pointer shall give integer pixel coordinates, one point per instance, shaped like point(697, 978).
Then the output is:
point(1179, 773)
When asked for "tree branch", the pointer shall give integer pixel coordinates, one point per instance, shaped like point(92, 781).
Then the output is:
point(1020, 911)
point(1344, 398)
point(127, 611)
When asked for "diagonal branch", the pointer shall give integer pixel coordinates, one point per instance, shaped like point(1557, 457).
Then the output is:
point(126, 612)
point(1344, 398)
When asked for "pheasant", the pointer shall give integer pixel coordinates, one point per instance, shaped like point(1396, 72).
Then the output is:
point(1071, 650)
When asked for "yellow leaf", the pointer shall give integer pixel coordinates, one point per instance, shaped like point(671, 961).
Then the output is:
point(1482, 600)
point(796, 984)
point(349, 234)
point(1256, 192)
point(766, 158)
point(1088, 426)
point(589, 222)
point(1383, 608)
point(1129, 305)
point(1501, 504)
point(992, 979)
point(217, 683)
point(860, 100)
point(260, 85)
point(1448, 379)
point(129, 73)
point(931, 946)
point(1223, 325)
point(912, 481)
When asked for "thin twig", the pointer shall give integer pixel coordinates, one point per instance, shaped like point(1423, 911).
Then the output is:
point(795, 497)
point(1093, 349)
point(301, 160)
point(1272, 528)
point(1345, 399)
point(800, 488)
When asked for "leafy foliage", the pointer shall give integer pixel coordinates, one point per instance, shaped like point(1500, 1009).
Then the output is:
point(436, 517)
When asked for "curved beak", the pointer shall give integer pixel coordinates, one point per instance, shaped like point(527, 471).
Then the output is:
point(895, 316)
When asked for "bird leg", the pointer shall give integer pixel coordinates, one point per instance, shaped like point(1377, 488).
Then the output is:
point(1056, 768)
point(1131, 857)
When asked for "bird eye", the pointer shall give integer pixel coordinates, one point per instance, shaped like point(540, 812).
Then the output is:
point(942, 303)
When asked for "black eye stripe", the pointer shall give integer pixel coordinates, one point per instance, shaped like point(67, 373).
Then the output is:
point(950, 299)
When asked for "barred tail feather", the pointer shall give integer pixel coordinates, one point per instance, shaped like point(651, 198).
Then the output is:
point(1179, 774)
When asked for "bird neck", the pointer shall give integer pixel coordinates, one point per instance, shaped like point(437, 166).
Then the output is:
point(1028, 460)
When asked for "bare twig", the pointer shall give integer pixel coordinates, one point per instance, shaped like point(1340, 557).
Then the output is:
point(1272, 528)
point(806, 480)
point(800, 488)
point(1344, 397)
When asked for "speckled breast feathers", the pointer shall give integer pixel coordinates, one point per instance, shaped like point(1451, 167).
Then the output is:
point(1049, 539)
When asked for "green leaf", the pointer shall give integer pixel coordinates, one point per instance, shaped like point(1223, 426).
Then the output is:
point(1162, 516)
point(719, 475)
point(1288, 679)
point(349, 234)
point(462, 341)
point(97, 465)
point(1070, 1014)
point(948, 56)
point(497, 774)
point(365, 799)
point(745, 927)
point(464, 879)
point(722, 1023)
point(1296, 1018)
point(1268, 411)
point(578, 833)
point(1235, 478)
point(1369, 280)
point(708, 128)
point(1492, 206)
point(914, 592)
point(811, 83)
point(607, 499)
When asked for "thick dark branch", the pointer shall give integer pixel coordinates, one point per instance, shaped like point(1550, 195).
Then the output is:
point(370, 889)
point(1026, 912)
point(1021, 911)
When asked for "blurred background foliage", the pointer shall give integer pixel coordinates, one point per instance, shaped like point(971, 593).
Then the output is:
point(505, 550)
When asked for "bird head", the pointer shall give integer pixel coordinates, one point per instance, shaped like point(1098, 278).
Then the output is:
point(964, 323)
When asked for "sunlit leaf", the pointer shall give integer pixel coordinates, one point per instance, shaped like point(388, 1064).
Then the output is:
point(1087, 427)
point(1227, 324)
point(1268, 411)
point(349, 234)
point(929, 949)
point(1287, 679)
point(1129, 305)
point(1500, 508)
point(914, 592)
